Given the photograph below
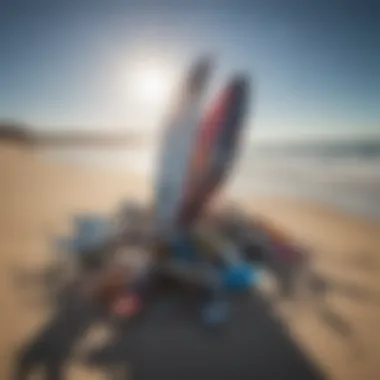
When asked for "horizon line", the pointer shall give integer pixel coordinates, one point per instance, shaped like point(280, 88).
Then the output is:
point(130, 136)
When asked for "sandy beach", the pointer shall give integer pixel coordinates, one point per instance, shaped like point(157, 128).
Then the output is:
point(38, 199)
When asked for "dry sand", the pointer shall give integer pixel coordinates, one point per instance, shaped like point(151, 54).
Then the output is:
point(38, 198)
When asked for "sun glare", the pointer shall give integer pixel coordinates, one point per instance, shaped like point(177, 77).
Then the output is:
point(147, 89)
point(150, 84)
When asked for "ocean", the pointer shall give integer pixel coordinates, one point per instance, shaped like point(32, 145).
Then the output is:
point(345, 175)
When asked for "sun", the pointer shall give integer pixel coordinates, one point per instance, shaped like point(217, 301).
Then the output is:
point(151, 83)
point(147, 82)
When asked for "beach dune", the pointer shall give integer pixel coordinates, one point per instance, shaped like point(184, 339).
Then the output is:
point(38, 199)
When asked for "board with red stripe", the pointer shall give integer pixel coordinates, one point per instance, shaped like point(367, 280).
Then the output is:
point(216, 146)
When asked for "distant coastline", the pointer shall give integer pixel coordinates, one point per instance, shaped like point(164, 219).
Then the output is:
point(17, 133)
point(360, 146)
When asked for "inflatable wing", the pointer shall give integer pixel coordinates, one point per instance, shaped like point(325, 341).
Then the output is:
point(214, 150)
point(177, 147)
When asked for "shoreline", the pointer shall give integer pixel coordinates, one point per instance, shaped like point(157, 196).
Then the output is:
point(304, 201)
point(121, 165)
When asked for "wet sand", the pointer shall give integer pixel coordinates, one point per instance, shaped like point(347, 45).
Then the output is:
point(38, 199)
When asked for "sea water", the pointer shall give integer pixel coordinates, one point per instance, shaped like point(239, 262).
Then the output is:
point(345, 175)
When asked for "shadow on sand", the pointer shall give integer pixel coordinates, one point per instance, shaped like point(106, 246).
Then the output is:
point(167, 342)
point(52, 346)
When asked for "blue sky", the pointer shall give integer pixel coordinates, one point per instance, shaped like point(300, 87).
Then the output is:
point(315, 63)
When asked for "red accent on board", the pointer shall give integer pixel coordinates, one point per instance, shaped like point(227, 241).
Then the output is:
point(199, 186)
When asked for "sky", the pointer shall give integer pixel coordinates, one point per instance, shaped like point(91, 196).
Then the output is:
point(315, 65)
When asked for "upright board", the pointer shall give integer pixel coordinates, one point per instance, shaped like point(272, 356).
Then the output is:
point(177, 147)
point(215, 149)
